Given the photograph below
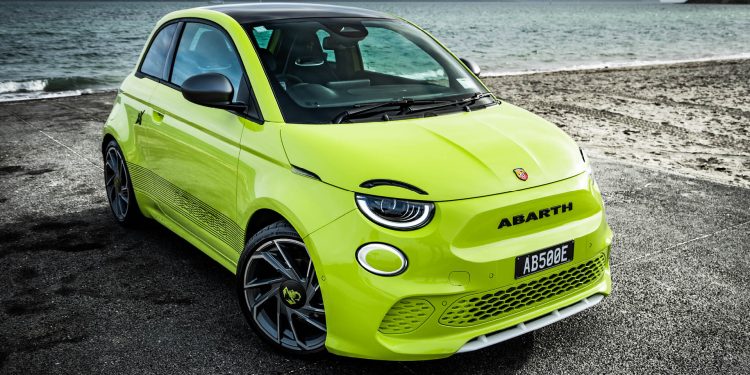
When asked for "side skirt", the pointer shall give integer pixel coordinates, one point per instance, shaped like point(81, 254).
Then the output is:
point(155, 211)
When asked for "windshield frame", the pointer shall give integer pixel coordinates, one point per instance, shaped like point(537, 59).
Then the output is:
point(293, 112)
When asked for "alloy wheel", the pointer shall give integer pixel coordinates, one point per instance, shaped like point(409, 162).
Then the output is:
point(116, 182)
point(283, 295)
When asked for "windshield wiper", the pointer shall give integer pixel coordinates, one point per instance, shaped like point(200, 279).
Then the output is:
point(369, 109)
point(465, 103)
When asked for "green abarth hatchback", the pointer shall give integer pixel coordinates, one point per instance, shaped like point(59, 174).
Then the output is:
point(370, 194)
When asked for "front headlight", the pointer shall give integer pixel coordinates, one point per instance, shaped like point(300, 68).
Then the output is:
point(395, 213)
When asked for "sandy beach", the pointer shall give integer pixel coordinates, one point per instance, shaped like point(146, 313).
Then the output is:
point(691, 118)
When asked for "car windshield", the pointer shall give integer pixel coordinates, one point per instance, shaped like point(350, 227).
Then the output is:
point(321, 67)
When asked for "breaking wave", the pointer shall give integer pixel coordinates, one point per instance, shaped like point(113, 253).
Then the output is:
point(49, 88)
point(23, 86)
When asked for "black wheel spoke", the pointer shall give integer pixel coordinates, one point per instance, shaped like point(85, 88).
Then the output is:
point(111, 192)
point(257, 283)
point(121, 205)
point(112, 161)
point(313, 310)
point(286, 260)
point(120, 168)
point(280, 268)
point(309, 280)
point(309, 320)
point(312, 291)
point(310, 273)
point(290, 320)
point(265, 297)
point(279, 306)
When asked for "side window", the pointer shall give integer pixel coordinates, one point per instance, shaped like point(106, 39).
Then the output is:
point(380, 52)
point(153, 63)
point(322, 35)
point(205, 49)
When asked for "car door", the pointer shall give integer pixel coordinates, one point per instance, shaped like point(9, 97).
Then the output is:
point(194, 149)
point(136, 90)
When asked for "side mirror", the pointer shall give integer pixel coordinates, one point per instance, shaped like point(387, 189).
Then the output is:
point(211, 90)
point(472, 66)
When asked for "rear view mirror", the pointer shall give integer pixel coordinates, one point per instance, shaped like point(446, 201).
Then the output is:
point(473, 67)
point(211, 90)
point(307, 61)
point(347, 29)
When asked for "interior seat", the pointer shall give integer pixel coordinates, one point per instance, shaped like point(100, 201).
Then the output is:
point(307, 61)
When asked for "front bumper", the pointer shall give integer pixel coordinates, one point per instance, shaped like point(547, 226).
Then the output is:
point(460, 282)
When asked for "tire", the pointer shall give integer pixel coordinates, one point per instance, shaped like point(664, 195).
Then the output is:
point(119, 188)
point(279, 293)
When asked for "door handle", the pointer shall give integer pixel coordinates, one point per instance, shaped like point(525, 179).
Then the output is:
point(158, 116)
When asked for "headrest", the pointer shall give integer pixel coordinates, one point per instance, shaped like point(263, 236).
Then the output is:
point(212, 43)
point(307, 52)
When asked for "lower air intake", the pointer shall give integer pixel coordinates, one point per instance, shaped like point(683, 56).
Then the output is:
point(405, 316)
point(486, 306)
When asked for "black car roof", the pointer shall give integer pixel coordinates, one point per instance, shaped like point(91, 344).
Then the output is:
point(259, 12)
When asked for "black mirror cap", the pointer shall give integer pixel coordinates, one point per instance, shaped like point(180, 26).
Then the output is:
point(473, 67)
point(210, 90)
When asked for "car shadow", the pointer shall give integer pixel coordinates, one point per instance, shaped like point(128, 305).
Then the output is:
point(66, 271)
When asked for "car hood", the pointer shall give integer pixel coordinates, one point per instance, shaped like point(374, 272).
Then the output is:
point(456, 156)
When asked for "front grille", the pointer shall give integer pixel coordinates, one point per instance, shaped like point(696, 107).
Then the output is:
point(493, 304)
point(406, 315)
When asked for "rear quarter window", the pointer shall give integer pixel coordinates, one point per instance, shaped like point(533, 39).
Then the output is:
point(156, 56)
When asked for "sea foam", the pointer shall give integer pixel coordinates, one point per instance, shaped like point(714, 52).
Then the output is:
point(23, 86)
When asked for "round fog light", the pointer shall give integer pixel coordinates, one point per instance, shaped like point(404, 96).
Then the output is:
point(382, 259)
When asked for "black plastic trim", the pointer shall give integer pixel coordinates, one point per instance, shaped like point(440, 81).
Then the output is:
point(169, 63)
point(305, 172)
point(384, 182)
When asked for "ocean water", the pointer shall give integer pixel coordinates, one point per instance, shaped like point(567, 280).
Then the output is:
point(68, 48)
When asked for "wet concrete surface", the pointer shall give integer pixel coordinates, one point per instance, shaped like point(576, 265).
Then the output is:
point(80, 294)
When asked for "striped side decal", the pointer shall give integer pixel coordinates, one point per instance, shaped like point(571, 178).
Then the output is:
point(200, 213)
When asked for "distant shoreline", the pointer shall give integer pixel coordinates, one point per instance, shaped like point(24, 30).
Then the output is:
point(577, 70)
point(727, 2)
point(625, 66)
